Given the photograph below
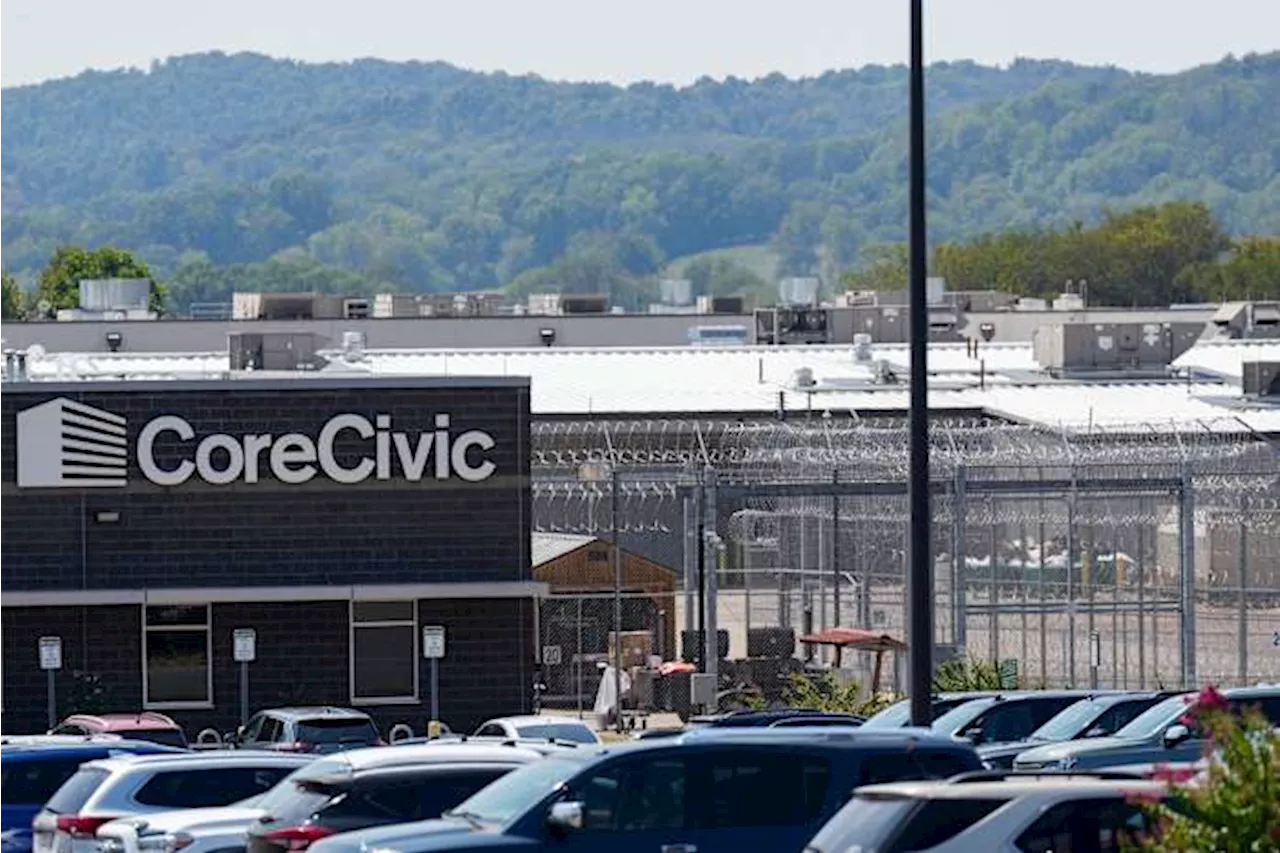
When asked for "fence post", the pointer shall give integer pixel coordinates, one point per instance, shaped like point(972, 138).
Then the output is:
point(958, 523)
point(689, 550)
point(1187, 577)
point(1070, 597)
point(711, 644)
point(1242, 560)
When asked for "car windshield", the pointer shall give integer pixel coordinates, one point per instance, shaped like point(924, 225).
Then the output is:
point(575, 732)
point(865, 824)
point(165, 737)
point(1072, 720)
point(1151, 721)
point(959, 717)
point(895, 716)
point(287, 788)
point(347, 730)
point(517, 792)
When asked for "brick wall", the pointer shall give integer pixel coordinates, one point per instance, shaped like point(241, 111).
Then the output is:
point(270, 533)
point(302, 658)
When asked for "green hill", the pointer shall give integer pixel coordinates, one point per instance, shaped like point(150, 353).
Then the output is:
point(422, 176)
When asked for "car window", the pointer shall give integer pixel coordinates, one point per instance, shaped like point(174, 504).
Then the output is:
point(653, 795)
point(346, 730)
point(1097, 825)
point(491, 730)
point(69, 729)
point(251, 730)
point(558, 731)
point(408, 799)
point(517, 792)
point(1069, 722)
point(633, 796)
point(1153, 720)
point(221, 786)
point(1007, 722)
point(1044, 709)
point(1118, 716)
point(272, 731)
point(741, 788)
point(76, 791)
point(34, 782)
point(937, 821)
point(1268, 705)
point(961, 716)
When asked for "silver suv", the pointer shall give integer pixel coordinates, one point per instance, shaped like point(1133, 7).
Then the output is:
point(111, 788)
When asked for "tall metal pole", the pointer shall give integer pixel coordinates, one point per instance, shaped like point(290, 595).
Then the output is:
point(920, 593)
point(1242, 629)
point(835, 566)
point(617, 596)
point(701, 551)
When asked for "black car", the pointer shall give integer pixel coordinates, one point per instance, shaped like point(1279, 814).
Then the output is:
point(1006, 717)
point(319, 729)
point(713, 790)
point(1096, 716)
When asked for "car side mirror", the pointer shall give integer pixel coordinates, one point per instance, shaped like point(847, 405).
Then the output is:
point(567, 817)
point(1096, 731)
point(1175, 735)
point(975, 735)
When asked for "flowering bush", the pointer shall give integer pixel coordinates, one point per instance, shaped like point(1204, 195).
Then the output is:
point(1233, 806)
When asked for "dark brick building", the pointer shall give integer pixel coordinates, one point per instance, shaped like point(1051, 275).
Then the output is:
point(144, 522)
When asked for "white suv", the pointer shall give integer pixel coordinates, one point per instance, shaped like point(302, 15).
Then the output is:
point(110, 788)
point(995, 812)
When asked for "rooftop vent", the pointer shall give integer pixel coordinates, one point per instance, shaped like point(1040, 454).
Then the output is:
point(353, 346)
point(1074, 348)
point(862, 346)
point(803, 378)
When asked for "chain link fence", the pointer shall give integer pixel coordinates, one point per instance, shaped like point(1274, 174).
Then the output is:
point(1146, 557)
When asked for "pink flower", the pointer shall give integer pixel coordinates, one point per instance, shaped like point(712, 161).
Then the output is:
point(1210, 700)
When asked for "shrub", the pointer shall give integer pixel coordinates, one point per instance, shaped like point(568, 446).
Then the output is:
point(962, 676)
point(1234, 807)
point(823, 693)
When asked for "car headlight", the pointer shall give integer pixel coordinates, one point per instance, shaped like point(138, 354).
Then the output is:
point(170, 842)
point(988, 765)
point(1067, 763)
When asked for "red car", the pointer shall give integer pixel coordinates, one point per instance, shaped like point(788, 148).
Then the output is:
point(143, 725)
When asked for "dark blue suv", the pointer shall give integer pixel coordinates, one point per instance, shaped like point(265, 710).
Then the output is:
point(33, 768)
point(709, 791)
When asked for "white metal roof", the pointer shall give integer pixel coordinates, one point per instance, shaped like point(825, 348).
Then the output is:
point(658, 381)
point(550, 546)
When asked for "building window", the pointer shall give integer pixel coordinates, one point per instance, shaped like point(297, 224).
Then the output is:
point(175, 654)
point(384, 651)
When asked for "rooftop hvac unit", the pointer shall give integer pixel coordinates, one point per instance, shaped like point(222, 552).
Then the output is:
point(1260, 378)
point(584, 304)
point(356, 309)
point(114, 294)
point(803, 378)
point(272, 351)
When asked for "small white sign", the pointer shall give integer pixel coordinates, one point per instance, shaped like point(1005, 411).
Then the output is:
point(244, 645)
point(50, 653)
point(551, 655)
point(433, 641)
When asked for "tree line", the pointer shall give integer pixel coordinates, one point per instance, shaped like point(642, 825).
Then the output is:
point(421, 177)
point(1149, 256)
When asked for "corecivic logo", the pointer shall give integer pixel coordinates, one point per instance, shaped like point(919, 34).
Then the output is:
point(65, 444)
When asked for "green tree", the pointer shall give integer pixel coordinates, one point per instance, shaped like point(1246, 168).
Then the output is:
point(823, 693)
point(886, 269)
point(963, 676)
point(59, 283)
point(1250, 271)
point(11, 297)
point(1235, 806)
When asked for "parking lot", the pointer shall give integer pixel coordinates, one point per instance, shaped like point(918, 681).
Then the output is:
point(1039, 770)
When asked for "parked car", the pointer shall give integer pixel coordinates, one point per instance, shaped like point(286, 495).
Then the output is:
point(320, 730)
point(898, 715)
point(366, 788)
point(111, 788)
point(1097, 716)
point(34, 768)
point(712, 790)
point(533, 728)
point(141, 725)
point(993, 814)
point(1005, 717)
point(1163, 733)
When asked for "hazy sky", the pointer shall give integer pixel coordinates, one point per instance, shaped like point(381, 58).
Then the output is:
point(623, 41)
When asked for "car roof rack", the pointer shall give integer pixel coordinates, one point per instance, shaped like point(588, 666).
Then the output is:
point(1007, 775)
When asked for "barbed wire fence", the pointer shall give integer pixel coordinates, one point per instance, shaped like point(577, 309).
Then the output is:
point(1137, 556)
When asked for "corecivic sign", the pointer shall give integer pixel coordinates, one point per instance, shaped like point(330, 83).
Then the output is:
point(66, 444)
